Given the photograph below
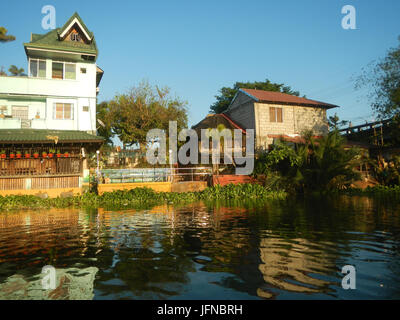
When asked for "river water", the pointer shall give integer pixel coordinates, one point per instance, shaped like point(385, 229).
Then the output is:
point(292, 249)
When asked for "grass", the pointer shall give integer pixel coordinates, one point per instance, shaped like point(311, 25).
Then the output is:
point(142, 197)
point(378, 190)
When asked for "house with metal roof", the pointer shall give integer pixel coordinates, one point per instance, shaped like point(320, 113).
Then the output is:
point(48, 118)
point(274, 115)
point(63, 80)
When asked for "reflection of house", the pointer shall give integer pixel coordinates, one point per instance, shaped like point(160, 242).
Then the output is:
point(275, 114)
point(52, 109)
point(291, 266)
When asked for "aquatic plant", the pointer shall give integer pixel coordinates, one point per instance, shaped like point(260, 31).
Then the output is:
point(140, 197)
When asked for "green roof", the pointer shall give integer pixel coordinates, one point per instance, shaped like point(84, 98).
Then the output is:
point(51, 40)
point(46, 136)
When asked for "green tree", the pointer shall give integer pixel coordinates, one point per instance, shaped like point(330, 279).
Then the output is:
point(384, 79)
point(335, 123)
point(227, 93)
point(104, 124)
point(4, 37)
point(15, 71)
point(320, 165)
point(133, 114)
point(2, 72)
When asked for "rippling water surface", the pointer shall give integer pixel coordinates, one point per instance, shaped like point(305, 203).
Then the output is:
point(275, 250)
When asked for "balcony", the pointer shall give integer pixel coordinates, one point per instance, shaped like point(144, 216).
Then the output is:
point(15, 123)
point(17, 86)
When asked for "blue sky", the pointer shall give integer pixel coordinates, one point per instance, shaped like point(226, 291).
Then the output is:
point(197, 47)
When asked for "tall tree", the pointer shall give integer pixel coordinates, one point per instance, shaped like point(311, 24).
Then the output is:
point(15, 71)
point(2, 72)
point(335, 123)
point(104, 125)
point(383, 77)
point(133, 114)
point(227, 93)
point(4, 37)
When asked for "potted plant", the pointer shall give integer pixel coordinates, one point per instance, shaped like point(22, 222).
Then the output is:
point(58, 154)
point(51, 153)
point(12, 155)
point(19, 154)
point(27, 155)
point(66, 154)
point(44, 154)
point(3, 154)
point(36, 154)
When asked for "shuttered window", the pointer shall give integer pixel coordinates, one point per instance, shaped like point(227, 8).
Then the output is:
point(275, 114)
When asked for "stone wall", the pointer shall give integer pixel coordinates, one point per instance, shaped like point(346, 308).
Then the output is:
point(296, 119)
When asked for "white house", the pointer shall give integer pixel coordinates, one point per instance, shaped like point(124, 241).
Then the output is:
point(48, 118)
point(62, 83)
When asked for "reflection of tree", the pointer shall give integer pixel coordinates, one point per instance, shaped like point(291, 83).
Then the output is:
point(150, 261)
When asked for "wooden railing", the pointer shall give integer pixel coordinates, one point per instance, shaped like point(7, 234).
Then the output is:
point(40, 167)
point(39, 183)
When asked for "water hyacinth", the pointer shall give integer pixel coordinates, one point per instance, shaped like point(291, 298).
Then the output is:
point(141, 197)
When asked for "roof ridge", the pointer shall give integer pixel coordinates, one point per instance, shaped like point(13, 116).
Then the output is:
point(260, 95)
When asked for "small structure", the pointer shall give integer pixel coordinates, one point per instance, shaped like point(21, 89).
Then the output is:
point(220, 122)
point(48, 162)
point(276, 115)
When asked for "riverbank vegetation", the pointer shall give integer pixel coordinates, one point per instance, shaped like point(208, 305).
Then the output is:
point(317, 165)
point(142, 198)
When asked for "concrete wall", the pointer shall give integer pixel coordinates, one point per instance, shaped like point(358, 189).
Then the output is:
point(296, 119)
point(156, 186)
point(80, 93)
point(242, 111)
point(189, 186)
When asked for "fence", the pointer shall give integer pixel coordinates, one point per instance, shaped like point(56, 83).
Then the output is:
point(155, 175)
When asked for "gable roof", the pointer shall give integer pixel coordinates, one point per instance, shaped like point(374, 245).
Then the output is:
point(284, 98)
point(71, 21)
point(212, 121)
point(53, 39)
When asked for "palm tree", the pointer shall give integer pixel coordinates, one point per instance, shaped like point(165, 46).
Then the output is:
point(15, 71)
point(4, 37)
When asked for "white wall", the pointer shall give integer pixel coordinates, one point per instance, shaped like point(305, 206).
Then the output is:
point(80, 92)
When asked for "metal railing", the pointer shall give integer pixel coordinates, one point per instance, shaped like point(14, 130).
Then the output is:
point(155, 174)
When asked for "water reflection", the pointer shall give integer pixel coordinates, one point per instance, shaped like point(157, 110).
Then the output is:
point(246, 250)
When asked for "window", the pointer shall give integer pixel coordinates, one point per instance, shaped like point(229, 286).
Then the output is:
point(37, 68)
point(83, 70)
point(20, 112)
point(75, 37)
point(58, 70)
point(63, 111)
point(85, 108)
point(275, 114)
point(63, 70)
point(70, 71)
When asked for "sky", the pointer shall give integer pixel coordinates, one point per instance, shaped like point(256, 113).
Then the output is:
point(198, 47)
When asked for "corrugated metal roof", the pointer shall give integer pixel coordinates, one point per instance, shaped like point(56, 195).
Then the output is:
point(279, 97)
point(46, 136)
